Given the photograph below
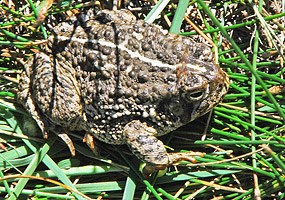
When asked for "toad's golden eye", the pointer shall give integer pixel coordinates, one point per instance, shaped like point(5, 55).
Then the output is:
point(195, 96)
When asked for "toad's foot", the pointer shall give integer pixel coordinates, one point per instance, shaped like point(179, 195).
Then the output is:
point(142, 141)
point(89, 140)
point(68, 142)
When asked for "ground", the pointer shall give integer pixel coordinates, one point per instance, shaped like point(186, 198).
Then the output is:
point(244, 152)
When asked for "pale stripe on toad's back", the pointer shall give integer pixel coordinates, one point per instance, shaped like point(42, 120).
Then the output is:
point(133, 54)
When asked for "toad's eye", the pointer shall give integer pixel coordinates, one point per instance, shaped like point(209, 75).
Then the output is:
point(194, 96)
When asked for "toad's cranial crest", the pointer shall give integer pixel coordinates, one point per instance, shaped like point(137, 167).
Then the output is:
point(121, 80)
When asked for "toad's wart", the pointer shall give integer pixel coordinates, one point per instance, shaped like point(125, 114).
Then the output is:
point(121, 80)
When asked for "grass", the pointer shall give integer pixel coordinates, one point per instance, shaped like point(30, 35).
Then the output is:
point(244, 144)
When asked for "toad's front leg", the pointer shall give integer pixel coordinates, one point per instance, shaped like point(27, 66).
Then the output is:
point(142, 141)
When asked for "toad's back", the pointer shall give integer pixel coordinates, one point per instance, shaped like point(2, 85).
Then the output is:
point(100, 74)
